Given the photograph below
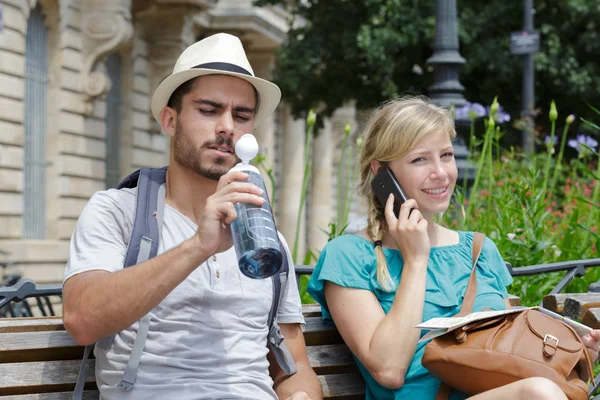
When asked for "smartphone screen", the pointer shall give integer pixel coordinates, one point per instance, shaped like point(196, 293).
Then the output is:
point(383, 184)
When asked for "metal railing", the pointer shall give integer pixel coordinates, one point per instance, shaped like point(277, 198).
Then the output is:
point(575, 268)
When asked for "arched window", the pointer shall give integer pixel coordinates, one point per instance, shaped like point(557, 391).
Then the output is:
point(36, 85)
point(113, 121)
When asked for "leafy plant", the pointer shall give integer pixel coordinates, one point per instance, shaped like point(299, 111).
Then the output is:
point(537, 208)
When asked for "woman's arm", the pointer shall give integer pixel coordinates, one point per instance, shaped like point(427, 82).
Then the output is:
point(385, 344)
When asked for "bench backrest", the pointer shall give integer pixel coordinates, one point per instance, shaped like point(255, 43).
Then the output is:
point(37, 356)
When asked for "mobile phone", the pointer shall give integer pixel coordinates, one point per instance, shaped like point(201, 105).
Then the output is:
point(383, 184)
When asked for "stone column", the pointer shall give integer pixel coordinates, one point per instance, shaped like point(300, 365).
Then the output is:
point(167, 31)
point(342, 116)
point(263, 63)
point(291, 185)
point(322, 188)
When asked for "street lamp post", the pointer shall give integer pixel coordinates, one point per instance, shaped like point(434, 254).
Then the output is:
point(446, 90)
point(528, 82)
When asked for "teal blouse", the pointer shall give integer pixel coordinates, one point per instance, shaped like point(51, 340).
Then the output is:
point(349, 261)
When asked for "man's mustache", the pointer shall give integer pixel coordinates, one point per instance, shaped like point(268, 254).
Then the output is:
point(219, 141)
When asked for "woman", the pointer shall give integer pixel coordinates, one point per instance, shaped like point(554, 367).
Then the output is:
point(404, 269)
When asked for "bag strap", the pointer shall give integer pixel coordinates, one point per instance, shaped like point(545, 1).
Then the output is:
point(143, 245)
point(467, 305)
point(471, 292)
point(274, 337)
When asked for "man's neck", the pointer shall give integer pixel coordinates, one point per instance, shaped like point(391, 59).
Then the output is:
point(187, 191)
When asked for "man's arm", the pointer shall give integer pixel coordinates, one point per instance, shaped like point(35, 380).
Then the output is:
point(99, 303)
point(304, 380)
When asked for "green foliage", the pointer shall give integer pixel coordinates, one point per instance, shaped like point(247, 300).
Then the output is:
point(371, 50)
point(532, 219)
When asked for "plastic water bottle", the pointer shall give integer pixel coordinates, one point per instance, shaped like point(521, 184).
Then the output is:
point(254, 233)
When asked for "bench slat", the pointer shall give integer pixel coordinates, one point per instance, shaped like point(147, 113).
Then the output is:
point(591, 318)
point(31, 324)
point(554, 302)
point(52, 376)
point(343, 386)
point(577, 304)
point(318, 332)
point(43, 377)
point(331, 359)
point(311, 310)
point(38, 346)
point(87, 395)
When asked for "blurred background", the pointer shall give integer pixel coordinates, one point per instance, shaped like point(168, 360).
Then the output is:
point(76, 78)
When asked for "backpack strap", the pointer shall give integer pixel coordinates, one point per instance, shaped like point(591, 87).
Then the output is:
point(143, 245)
point(275, 338)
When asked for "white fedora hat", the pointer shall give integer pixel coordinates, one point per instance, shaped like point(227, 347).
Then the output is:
point(221, 54)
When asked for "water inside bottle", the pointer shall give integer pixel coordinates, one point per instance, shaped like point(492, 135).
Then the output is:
point(255, 237)
point(257, 243)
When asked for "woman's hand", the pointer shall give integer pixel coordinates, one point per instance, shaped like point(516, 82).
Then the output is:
point(409, 231)
point(592, 342)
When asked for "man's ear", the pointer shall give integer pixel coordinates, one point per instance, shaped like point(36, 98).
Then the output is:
point(375, 165)
point(168, 120)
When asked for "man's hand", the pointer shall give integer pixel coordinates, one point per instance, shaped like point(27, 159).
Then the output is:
point(213, 224)
point(299, 396)
point(592, 342)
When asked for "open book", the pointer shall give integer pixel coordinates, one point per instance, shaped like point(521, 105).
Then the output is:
point(439, 326)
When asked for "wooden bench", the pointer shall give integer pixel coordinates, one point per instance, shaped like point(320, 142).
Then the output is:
point(39, 360)
point(583, 307)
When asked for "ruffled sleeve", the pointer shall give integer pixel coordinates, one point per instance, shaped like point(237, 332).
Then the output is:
point(346, 261)
point(494, 268)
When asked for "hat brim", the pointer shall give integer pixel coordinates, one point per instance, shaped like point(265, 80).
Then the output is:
point(268, 92)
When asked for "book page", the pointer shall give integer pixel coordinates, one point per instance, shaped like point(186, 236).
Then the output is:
point(452, 323)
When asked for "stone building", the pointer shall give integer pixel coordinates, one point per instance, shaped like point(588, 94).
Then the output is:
point(76, 78)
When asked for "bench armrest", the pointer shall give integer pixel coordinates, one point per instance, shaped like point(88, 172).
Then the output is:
point(27, 288)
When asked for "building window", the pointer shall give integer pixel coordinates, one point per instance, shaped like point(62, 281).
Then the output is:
point(36, 86)
point(113, 121)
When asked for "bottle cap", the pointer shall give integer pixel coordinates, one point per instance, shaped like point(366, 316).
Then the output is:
point(246, 148)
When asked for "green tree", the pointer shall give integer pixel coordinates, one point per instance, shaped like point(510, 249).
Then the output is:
point(371, 50)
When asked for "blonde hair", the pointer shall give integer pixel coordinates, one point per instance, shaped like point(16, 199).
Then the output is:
point(392, 131)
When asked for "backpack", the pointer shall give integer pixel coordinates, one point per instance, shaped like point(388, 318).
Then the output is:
point(143, 245)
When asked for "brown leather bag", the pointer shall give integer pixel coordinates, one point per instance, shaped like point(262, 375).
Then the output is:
point(492, 353)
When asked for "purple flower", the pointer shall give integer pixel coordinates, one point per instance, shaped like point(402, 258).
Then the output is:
point(581, 141)
point(547, 140)
point(462, 113)
point(470, 111)
point(501, 116)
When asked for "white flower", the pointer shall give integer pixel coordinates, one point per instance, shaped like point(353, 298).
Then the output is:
point(511, 236)
point(557, 251)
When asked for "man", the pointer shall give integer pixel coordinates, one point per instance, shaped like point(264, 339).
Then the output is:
point(208, 323)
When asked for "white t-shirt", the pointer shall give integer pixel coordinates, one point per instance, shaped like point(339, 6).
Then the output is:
point(207, 338)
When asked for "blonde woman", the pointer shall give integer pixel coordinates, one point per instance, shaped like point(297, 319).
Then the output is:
point(401, 270)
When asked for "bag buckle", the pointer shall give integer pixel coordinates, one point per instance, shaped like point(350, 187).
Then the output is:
point(550, 345)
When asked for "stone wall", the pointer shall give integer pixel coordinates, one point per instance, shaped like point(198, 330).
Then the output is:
point(81, 34)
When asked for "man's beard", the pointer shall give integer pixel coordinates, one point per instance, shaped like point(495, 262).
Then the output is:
point(189, 156)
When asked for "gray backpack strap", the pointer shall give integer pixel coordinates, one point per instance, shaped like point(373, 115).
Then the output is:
point(149, 214)
point(143, 245)
point(275, 338)
point(78, 391)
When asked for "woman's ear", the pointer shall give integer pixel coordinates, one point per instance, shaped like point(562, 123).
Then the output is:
point(375, 165)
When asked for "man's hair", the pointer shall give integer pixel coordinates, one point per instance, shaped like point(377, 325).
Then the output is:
point(186, 87)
